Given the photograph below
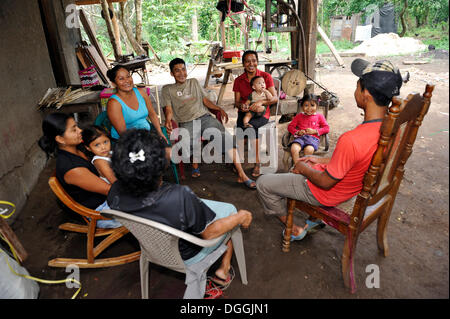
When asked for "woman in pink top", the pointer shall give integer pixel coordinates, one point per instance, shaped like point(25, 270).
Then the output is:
point(307, 127)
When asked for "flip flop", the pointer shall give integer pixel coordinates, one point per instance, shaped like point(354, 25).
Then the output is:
point(195, 172)
point(223, 283)
point(298, 237)
point(314, 226)
point(249, 182)
point(211, 291)
point(256, 170)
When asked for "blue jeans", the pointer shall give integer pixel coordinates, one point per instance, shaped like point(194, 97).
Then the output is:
point(222, 210)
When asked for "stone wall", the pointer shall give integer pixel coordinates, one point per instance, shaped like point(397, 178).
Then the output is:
point(27, 73)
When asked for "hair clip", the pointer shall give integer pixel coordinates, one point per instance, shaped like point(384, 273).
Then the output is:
point(136, 156)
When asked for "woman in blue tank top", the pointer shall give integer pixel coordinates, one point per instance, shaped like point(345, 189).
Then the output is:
point(129, 107)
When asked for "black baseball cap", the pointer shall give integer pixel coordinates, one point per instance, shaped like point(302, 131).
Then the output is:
point(381, 78)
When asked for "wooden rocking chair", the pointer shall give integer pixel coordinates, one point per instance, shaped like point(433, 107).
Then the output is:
point(90, 217)
point(380, 186)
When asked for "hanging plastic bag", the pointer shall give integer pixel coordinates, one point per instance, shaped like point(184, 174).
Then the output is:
point(13, 286)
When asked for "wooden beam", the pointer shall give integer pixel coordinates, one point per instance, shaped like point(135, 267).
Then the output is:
point(89, 2)
point(330, 45)
point(91, 35)
point(11, 237)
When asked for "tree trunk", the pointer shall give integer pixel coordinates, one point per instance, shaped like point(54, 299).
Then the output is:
point(125, 40)
point(129, 32)
point(425, 18)
point(194, 26)
point(110, 29)
point(115, 24)
point(138, 7)
point(402, 18)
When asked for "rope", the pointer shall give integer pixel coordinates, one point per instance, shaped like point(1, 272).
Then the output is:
point(44, 281)
point(3, 211)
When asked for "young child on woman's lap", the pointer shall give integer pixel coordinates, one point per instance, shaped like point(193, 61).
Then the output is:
point(307, 127)
point(96, 141)
point(259, 93)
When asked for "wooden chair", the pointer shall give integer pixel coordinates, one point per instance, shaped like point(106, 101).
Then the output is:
point(90, 217)
point(380, 185)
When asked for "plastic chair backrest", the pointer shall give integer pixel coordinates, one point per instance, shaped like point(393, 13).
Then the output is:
point(159, 242)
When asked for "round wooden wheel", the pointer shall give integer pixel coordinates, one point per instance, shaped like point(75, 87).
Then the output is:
point(293, 82)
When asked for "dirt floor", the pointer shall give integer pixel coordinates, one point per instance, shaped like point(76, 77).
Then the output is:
point(418, 264)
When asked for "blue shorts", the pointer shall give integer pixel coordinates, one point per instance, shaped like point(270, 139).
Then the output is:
point(222, 210)
point(306, 140)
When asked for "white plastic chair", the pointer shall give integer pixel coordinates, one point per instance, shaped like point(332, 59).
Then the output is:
point(159, 245)
point(269, 130)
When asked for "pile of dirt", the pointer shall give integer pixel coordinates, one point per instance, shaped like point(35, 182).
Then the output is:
point(389, 44)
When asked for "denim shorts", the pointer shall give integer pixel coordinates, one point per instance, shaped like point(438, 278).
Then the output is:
point(306, 140)
point(222, 210)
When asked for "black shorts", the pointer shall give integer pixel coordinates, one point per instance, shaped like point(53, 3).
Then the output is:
point(256, 122)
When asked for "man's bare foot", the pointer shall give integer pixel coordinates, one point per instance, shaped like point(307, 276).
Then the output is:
point(256, 170)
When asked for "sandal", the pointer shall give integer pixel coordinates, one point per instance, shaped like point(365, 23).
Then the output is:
point(298, 237)
point(314, 226)
point(223, 283)
point(256, 170)
point(195, 172)
point(249, 183)
point(211, 291)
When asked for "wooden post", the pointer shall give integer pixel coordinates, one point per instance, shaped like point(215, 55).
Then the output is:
point(110, 29)
point(308, 15)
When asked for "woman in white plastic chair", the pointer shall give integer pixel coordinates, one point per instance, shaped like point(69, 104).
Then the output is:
point(138, 161)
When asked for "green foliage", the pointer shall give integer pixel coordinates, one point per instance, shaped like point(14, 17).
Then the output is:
point(437, 35)
point(167, 24)
point(425, 12)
